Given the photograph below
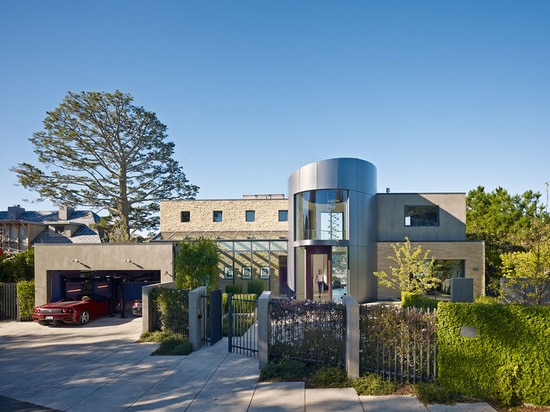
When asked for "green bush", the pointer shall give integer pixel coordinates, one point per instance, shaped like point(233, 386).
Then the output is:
point(156, 336)
point(330, 377)
point(25, 294)
point(172, 310)
point(488, 300)
point(285, 370)
point(255, 287)
point(171, 344)
point(234, 289)
point(373, 385)
point(176, 346)
point(506, 362)
point(415, 300)
point(435, 392)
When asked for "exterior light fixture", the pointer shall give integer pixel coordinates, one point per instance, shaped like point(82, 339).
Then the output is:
point(128, 260)
point(75, 261)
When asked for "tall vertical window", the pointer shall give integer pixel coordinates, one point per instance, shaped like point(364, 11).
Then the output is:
point(217, 216)
point(185, 216)
point(422, 215)
point(321, 214)
point(283, 215)
point(250, 216)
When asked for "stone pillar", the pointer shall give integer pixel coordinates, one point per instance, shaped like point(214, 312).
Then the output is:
point(263, 328)
point(352, 336)
point(197, 316)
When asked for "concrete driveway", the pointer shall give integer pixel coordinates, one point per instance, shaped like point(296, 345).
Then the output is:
point(39, 363)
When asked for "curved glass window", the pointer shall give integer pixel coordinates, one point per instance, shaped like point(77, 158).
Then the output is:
point(321, 215)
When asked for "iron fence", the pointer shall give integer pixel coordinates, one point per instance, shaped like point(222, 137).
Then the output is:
point(398, 344)
point(307, 331)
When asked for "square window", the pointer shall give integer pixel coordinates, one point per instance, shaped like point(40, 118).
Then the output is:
point(250, 215)
point(185, 216)
point(283, 215)
point(217, 216)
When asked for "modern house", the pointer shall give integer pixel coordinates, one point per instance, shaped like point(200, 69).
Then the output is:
point(333, 221)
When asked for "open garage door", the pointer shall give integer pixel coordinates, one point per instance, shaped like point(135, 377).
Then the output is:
point(122, 288)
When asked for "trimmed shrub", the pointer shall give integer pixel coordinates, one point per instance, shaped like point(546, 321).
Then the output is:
point(506, 362)
point(415, 300)
point(172, 310)
point(255, 287)
point(234, 289)
point(25, 294)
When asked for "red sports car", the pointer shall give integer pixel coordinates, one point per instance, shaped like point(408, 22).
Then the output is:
point(72, 311)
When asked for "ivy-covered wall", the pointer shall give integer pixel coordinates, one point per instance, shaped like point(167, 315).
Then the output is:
point(504, 355)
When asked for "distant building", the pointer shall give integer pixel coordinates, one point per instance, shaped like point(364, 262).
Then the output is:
point(21, 229)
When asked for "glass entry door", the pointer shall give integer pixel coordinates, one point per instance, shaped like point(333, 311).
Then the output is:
point(319, 274)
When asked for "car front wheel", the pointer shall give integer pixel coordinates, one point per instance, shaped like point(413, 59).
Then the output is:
point(84, 317)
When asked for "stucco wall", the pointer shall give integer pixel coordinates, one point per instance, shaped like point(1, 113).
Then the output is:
point(141, 256)
point(391, 217)
point(266, 215)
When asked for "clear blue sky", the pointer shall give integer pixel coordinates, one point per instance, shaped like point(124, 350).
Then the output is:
point(441, 96)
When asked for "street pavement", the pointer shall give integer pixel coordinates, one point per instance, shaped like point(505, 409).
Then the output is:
point(101, 367)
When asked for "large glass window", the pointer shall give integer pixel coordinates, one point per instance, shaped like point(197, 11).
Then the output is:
point(422, 215)
point(447, 269)
point(321, 214)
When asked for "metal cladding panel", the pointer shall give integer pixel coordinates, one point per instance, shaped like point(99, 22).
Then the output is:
point(307, 178)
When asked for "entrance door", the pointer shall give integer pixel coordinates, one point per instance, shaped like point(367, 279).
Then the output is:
point(318, 273)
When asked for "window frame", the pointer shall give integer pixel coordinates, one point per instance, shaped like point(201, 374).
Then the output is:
point(285, 212)
point(407, 213)
point(185, 216)
point(217, 216)
point(250, 216)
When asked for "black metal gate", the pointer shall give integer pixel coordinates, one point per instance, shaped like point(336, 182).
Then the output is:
point(242, 326)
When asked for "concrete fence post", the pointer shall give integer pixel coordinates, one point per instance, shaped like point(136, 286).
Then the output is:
point(352, 336)
point(197, 315)
point(263, 328)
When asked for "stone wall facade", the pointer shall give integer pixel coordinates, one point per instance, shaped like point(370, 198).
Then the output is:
point(233, 212)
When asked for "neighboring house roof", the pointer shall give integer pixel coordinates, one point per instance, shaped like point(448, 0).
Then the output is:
point(79, 220)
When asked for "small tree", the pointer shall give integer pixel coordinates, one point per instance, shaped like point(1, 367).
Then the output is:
point(197, 264)
point(413, 271)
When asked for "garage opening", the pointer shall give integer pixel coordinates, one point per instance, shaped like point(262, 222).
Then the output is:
point(121, 288)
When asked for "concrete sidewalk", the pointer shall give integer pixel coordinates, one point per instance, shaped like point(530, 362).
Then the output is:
point(62, 373)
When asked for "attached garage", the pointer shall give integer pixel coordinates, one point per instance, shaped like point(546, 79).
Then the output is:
point(118, 271)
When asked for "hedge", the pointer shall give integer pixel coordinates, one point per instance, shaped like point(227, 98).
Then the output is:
point(507, 360)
